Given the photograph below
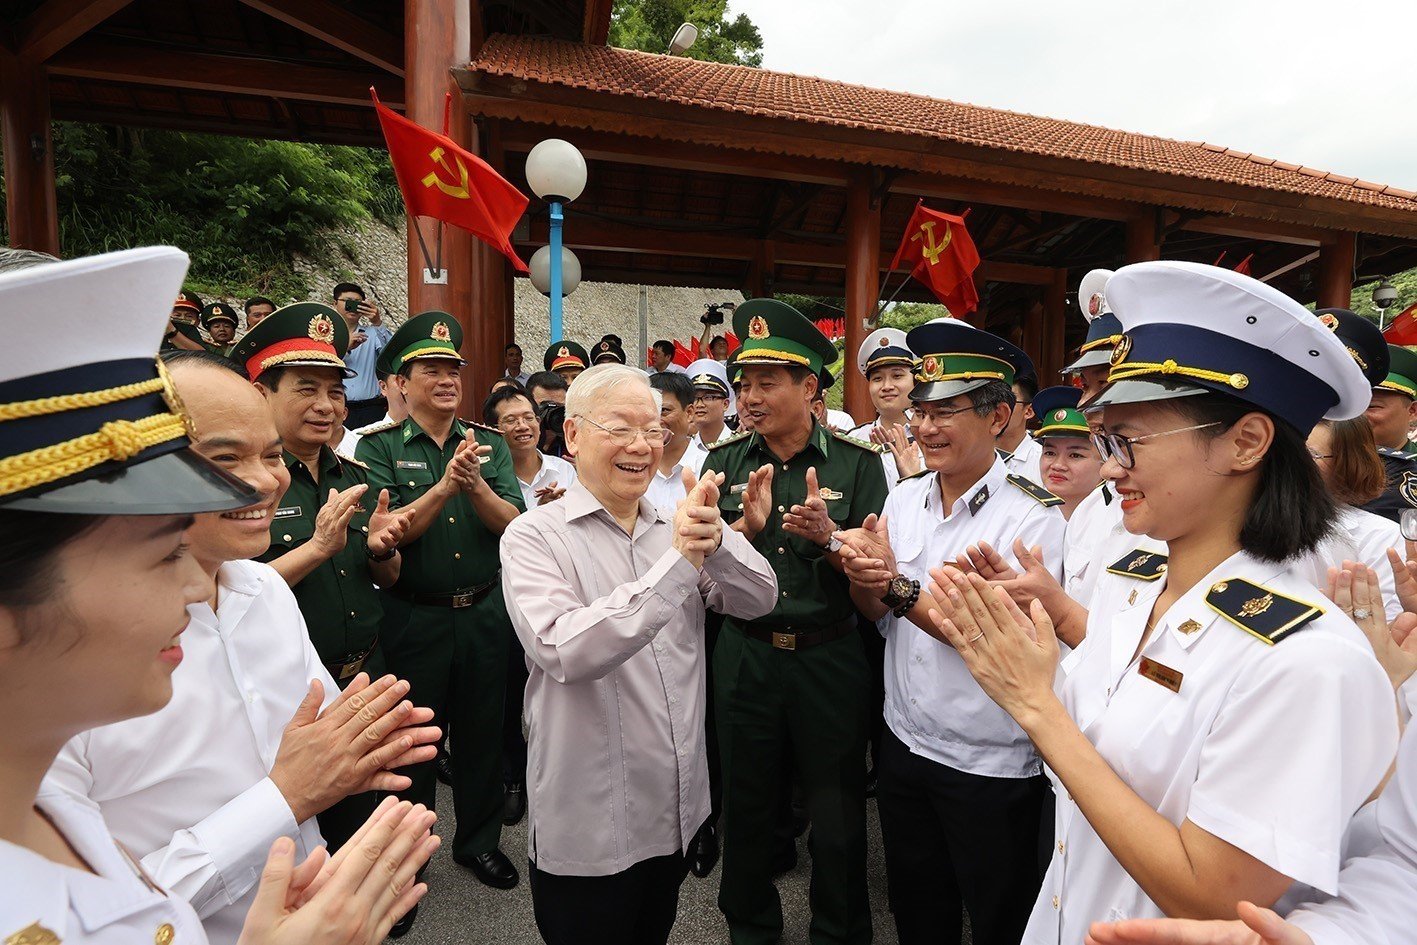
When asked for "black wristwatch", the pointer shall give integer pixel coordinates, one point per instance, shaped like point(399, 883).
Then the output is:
point(383, 557)
point(901, 595)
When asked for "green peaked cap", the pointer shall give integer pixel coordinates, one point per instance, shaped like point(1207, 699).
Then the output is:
point(426, 335)
point(773, 332)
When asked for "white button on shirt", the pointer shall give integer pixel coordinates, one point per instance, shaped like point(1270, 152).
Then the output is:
point(1269, 748)
point(113, 905)
point(187, 788)
point(933, 704)
point(553, 469)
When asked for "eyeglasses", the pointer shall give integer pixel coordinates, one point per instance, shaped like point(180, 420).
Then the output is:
point(516, 420)
point(624, 437)
point(1320, 455)
point(939, 416)
point(1115, 446)
point(707, 398)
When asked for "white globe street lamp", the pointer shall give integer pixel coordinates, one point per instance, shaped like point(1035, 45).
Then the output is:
point(556, 172)
point(540, 266)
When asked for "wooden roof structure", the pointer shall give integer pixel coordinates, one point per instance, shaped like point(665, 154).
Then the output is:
point(699, 173)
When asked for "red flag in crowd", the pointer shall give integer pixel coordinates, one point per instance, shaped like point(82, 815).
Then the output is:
point(733, 343)
point(941, 254)
point(1403, 330)
point(440, 179)
point(833, 328)
point(1244, 267)
point(682, 355)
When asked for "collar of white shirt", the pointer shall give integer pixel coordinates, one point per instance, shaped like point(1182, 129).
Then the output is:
point(579, 502)
point(972, 499)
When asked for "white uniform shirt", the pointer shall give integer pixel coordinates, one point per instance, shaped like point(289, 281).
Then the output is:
point(1377, 892)
point(1363, 537)
point(114, 905)
point(840, 420)
point(933, 704)
point(1024, 460)
point(1096, 539)
point(666, 492)
point(1269, 748)
point(186, 789)
point(553, 469)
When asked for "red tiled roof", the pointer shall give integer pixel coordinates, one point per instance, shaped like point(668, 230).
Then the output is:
point(782, 95)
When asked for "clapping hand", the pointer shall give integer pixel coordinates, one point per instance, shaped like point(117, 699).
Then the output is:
point(1354, 588)
point(866, 555)
point(387, 526)
point(1404, 574)
point(332, 521)
point(352, 898)
point(1256, 926)
point(548, 493)
point(810, 520)
point(465, 468)
point(698, 527)
point(893, 437)
point(757, 501)
point(1034, 582)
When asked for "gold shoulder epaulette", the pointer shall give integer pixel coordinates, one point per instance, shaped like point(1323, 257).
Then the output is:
point(864, 444)
point(346, 458)
point(735, 438)
point(1266, 615)
point(1142, 565)
point(1034, 491)
point(482, 426)
point(379, 427)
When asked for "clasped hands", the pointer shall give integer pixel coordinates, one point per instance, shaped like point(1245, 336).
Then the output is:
point(464, 470)
point(698, 525)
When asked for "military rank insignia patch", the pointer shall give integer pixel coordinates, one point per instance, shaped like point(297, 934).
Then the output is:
point(1407, 488)
point(1266, 615)
point(1034, 491)
point(1142, 565)
point(976, 501)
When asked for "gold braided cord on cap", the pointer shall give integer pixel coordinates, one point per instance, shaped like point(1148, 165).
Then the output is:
point(1395, 386)
point(747, 357)
point(116, 440)
point(324, 357)
point(1109, 342)
point(61, 403)
point(1130, 369)
point(434, 352)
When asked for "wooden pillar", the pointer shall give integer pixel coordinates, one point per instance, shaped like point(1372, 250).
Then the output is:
point(760, 271)
point(863, 254)
point(1143, 237)
point(1033, 335)
point(1335, 288)
point(1055, 316)
point(31, 210)
point(488, 333)
point(437, 38)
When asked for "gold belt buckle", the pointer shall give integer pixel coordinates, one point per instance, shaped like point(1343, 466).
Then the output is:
point(784, 641)
point(349, 669)
point(462, 600)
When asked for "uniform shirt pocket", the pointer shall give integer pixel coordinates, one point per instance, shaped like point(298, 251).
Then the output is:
point(291, 527)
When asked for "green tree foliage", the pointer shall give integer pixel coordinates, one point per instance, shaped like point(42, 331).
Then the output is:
point(648, 25)
point(239, 207)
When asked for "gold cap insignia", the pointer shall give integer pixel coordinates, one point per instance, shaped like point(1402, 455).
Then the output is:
point(322, 329)
point(441, 333)
point(1124, 348)
point(1060, 415)
point(930, 367)
point(1329, 320)
point(884, 341)
point(758, 328)
point(1094, 304)
point(564, 352)
point(605, 346)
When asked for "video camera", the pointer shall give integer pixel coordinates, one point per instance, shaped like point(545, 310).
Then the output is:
point(713, 312)
point(552, 417)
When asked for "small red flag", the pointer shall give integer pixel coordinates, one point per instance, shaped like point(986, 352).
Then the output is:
point(682, 355)
point(733, 343)
point(1403, 330)
point(1244, 267)
point(442, 180)
point(941, 254)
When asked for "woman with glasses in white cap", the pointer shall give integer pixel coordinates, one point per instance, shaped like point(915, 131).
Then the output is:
point(1216, 730)
point(97, 491)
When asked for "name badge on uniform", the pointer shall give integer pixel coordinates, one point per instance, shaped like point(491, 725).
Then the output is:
point(293, 511)
point(740, 487)
point(410, 464)
point(1160, 674)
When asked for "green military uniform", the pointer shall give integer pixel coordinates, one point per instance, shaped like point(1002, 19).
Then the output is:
point(794, 685)
point(446, 629)
point(190, 305)
point(338, 599)
point(220, 312)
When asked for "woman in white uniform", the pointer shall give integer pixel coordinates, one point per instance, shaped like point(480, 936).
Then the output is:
point(97, 490)
point(1221, 722)
point(1069, 466)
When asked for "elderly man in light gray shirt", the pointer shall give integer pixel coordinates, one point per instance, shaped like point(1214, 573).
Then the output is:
point(607, 594)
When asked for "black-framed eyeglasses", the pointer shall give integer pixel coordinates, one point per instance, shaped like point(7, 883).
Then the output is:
point(1118, 447)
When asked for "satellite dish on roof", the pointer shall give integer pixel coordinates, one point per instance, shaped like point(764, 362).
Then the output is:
point(685, 36)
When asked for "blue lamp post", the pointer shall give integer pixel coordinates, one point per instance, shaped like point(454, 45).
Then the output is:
point(556, 172)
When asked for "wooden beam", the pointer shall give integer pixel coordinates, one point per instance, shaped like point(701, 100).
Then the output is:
point(595, 30)
point(117, 62)
point(331, 23)
point(1335, 282)
point(31, 210)
point(57, 23)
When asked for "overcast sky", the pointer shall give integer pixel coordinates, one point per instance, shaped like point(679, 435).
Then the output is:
point(1329, 84)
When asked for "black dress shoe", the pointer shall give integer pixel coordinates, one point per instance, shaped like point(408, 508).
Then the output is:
point(402, 926)
point(443, 769)
point(513, 803)
point(492, 869)
point(703, 851)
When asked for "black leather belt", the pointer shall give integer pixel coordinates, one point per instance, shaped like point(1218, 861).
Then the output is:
point(456, 600)
point(795, 638)
point(349, 664)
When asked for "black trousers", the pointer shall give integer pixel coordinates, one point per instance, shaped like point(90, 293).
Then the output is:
point(513, 741)
point(956, 841)
point(634, 907)
point(875, 648)
point(364, 412)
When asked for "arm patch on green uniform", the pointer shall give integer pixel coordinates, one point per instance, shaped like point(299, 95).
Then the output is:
point(1142, 565)
point(1034, 491)
point(1266, 615)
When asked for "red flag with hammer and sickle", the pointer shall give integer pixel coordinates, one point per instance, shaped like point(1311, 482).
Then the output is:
point(441, 180)
point(941, 254)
